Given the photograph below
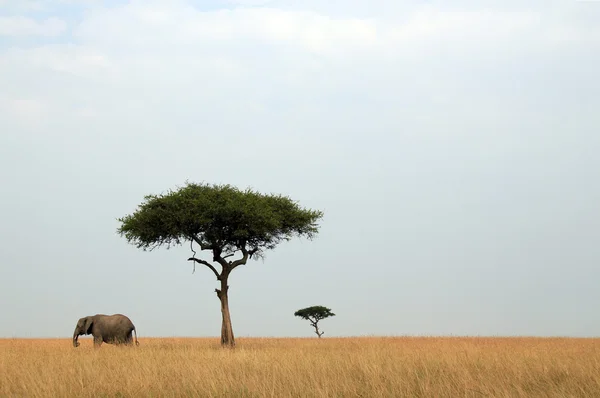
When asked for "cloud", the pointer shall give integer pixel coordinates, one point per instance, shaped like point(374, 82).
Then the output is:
point(23, 26)
point(171, 27)
point(22, 5)
point(431, 23)
point(76, 60)
point(249, 3)
point(26, 108)
point(24, 112)
point(253, 58)
point(42, 5)
point(165, 25)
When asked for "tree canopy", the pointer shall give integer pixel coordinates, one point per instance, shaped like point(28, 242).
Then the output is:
point(218, 216)
point(221, 219)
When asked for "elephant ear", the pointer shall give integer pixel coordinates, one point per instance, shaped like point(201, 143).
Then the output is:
point(87, 327)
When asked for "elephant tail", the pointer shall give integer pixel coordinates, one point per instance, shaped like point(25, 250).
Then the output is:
point(135, 334)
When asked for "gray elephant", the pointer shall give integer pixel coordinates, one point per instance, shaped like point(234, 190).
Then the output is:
point(112, 329)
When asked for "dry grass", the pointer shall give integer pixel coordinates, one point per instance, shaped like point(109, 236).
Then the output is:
point(330, 367)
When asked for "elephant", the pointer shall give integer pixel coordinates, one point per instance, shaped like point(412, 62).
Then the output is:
point(112, 329)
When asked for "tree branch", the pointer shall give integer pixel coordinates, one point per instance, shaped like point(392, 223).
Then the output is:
point(199, 242)
point(251, 252)
point(209, 265)
point(217, 257)
point(230, 265)
point(245, 254)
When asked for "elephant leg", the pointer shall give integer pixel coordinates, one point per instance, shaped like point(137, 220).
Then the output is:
point(120, 340)
point(97, 341)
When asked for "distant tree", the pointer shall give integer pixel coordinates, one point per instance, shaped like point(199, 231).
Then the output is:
point(314, 315)
point(222, 220)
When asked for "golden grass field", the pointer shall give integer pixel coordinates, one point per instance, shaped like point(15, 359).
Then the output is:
point(303, 367)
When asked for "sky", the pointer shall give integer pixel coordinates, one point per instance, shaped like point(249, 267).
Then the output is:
point(452, 146)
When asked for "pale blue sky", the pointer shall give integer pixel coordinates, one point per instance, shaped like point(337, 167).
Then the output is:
point(453, 149)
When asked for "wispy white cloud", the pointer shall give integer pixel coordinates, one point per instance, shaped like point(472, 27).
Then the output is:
point(169, 25)
point(72, 59)
point(24, 26)
point(23, 5)
point(24, 112)
point(43, 5)
point(267, 53)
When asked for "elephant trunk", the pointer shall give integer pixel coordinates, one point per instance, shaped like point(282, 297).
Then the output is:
point(75, 342)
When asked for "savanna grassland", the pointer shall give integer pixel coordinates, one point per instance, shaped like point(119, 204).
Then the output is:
point(307, 367)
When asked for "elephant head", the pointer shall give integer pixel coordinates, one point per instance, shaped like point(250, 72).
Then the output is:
point(84, 326)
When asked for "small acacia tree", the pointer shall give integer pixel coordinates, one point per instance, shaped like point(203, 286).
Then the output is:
point(222, 220)
point(314, 315)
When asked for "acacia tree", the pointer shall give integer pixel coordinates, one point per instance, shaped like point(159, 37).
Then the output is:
point(314, 315)
point(222, 220)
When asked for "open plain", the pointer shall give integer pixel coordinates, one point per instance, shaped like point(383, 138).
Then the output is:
point(304, 367)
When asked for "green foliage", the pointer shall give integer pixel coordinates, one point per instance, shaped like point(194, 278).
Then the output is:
point(220, 218)
point(315, 313)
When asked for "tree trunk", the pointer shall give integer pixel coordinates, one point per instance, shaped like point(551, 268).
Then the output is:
point(227, 338)
point(317, 329)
